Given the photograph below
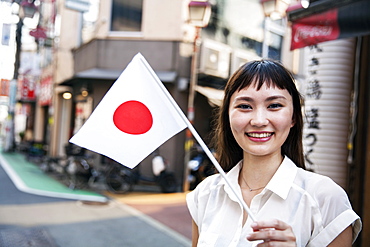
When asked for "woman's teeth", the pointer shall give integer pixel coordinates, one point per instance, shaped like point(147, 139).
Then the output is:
point(259, 135)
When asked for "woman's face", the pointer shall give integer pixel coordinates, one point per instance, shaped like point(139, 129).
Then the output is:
point(261, 120)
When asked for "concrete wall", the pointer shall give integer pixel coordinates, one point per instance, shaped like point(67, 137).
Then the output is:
point(162, 20)
point(116, 54)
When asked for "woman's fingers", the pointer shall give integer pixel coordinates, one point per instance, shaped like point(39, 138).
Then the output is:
point(272, 231)
point(276, 224)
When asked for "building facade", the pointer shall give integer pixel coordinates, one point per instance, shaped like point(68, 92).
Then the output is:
point(92, 48)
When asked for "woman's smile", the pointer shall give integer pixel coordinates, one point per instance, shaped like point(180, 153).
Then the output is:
point(259, 136)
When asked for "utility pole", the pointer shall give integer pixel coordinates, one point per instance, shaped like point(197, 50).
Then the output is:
point(26, 9)
point(10, 136)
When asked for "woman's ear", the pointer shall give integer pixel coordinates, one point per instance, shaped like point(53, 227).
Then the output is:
point(293, 122)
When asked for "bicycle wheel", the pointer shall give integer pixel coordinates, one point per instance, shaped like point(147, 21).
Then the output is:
point(167, 182)
point(118, 181)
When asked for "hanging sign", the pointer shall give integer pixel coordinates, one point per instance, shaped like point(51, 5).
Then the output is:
point(346, 21)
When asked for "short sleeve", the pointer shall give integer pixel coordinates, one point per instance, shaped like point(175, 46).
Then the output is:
point(196, 200)
point(336, 213)
point(192, 204)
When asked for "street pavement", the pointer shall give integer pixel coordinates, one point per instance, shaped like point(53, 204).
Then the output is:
point(41, 212)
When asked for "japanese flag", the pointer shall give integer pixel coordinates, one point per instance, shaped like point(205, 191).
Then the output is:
point(134, 118)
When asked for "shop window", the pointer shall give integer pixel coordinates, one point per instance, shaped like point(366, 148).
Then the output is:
point(275, 31)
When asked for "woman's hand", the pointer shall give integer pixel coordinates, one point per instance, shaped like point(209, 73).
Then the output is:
point(273, 233)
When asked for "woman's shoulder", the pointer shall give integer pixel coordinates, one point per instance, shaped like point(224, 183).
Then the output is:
point(209, 182)
point(203, 189)
point(319, 186)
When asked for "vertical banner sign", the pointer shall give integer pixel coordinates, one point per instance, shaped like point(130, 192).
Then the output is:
point(5, 37)
point(4, 87)
point(28, 88)
point(46, 91)
point(327, 92)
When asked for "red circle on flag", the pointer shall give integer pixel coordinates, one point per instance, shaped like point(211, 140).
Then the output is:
point(133, 117)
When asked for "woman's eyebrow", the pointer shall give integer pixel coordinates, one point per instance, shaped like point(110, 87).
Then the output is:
point(275, 97)
point(270, 98)
point(244, 98)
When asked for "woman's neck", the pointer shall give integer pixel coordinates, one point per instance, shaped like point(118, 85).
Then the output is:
point(258, 170)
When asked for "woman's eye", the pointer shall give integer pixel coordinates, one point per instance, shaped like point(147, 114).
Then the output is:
point(244, 106)
point(275, 106)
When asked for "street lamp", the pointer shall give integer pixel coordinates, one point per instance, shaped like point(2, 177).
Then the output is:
point(199, 15)
point(28, 9)
point(273, 10)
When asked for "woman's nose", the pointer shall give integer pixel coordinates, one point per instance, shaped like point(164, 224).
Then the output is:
point(259, 118)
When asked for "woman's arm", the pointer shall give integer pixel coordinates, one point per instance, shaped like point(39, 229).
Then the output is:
point(344, 239)
point(195, 234)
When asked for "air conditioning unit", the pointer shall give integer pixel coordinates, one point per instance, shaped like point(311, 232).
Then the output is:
point(240, 57)
point(215, 59)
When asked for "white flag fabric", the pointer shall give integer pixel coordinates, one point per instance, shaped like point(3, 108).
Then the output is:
point(134, 118)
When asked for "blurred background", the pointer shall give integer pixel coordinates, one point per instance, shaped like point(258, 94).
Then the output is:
point(59, 57)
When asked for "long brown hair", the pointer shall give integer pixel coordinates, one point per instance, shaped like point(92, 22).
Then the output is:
point(271, 73)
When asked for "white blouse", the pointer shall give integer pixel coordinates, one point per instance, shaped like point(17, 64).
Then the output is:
point(315, 207)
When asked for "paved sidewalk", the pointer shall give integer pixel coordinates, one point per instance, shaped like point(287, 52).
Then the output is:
point(66, 218)
point(28, 178)
point(169, 209)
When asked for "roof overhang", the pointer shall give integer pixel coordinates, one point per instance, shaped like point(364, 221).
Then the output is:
point(110, 74)
point(214, 96)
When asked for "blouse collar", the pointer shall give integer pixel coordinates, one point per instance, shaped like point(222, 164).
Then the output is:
point(283, 178)
point(279, 184)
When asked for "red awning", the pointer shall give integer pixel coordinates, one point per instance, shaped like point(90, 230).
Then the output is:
point(341, 22)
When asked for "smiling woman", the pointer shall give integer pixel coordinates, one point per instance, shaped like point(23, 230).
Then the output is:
point(260, 120)
point(262, 79)
point(259, 144)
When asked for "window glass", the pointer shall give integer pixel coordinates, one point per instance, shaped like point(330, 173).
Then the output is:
point(126, 15)
point(275, 43)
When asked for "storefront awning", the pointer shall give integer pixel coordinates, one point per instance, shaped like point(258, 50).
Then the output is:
point(215, 96)
point(329, 20)
point(109, 74)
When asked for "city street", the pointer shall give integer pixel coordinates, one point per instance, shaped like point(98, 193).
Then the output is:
point(136, 219)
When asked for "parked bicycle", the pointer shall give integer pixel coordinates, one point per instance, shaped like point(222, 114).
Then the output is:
point(77, 171)
point(121, 179)
point(79, 166)
point(55, 166)
point(74, 170)
point(34, 151)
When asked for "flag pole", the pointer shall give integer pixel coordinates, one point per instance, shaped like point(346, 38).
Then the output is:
point(197, 137)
